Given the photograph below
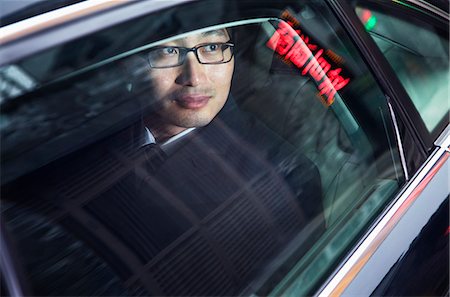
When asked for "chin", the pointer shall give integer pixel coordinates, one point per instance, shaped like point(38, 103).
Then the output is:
point(191, 121)
point(195, 123)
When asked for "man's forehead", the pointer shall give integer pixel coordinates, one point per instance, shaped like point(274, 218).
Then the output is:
point(219, 32)
point(207, 34)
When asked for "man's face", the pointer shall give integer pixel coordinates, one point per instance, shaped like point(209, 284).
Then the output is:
point(191, 95)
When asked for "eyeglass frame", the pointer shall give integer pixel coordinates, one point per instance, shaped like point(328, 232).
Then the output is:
point(186, 50)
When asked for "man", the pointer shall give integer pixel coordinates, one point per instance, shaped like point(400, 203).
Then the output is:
point(220, 167)
point(208, 215)
point(191, 80)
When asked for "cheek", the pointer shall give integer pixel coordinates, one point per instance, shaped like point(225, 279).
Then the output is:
point(161, 83)
point(222, 77)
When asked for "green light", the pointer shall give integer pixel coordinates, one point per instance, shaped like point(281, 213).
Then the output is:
point(371, 23)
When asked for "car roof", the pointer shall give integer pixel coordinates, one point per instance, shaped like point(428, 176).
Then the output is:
point(13, 11)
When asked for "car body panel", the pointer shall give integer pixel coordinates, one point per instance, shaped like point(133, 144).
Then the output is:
point(391, 237)
point(65, 24)
point(398, 243)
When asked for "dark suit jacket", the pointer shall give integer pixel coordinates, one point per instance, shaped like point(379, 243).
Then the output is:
point(228, 200)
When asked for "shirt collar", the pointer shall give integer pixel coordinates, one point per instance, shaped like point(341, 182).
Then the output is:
point(149, 138)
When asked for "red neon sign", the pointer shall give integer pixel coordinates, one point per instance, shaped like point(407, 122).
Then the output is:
point(296, 48)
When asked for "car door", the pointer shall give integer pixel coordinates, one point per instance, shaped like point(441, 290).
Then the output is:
point(318, 114)
point(425, 224)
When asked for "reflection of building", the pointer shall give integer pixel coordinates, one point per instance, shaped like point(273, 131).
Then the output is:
point(14, 81)
point(211, 240)
point(51, 117)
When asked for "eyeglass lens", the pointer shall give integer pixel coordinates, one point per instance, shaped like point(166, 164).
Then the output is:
point(211, 53)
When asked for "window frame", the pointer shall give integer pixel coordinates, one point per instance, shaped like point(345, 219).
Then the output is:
point(413, 129)
point(48, 30)
point(394, 90)
point(436, 19)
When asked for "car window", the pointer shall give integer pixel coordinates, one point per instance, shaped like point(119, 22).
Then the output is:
point(236, 154)
point(421, 63)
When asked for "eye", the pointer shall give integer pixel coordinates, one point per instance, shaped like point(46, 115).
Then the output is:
point(168, 51)
point(210, 48)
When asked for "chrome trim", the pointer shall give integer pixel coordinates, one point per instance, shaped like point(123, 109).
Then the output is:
point(37, 39)
point(368, 245)
point(55, 17)
point(399, 141)
point(444, 139)
point(427, 6)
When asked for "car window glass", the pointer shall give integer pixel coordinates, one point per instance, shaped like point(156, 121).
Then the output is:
point(421, 63)
point(286, 155)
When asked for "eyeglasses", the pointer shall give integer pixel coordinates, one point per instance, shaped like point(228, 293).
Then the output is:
point(208, 53)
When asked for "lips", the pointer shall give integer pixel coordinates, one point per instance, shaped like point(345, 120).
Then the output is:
point(194, 101)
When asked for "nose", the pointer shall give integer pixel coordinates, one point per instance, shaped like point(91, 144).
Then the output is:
point(192, 72)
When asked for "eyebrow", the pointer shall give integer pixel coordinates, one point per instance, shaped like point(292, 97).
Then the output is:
point(220, 32)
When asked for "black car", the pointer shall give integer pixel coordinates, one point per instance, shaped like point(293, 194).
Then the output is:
point(325, 172)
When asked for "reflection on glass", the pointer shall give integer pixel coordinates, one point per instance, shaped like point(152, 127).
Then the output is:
point(233, 160)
